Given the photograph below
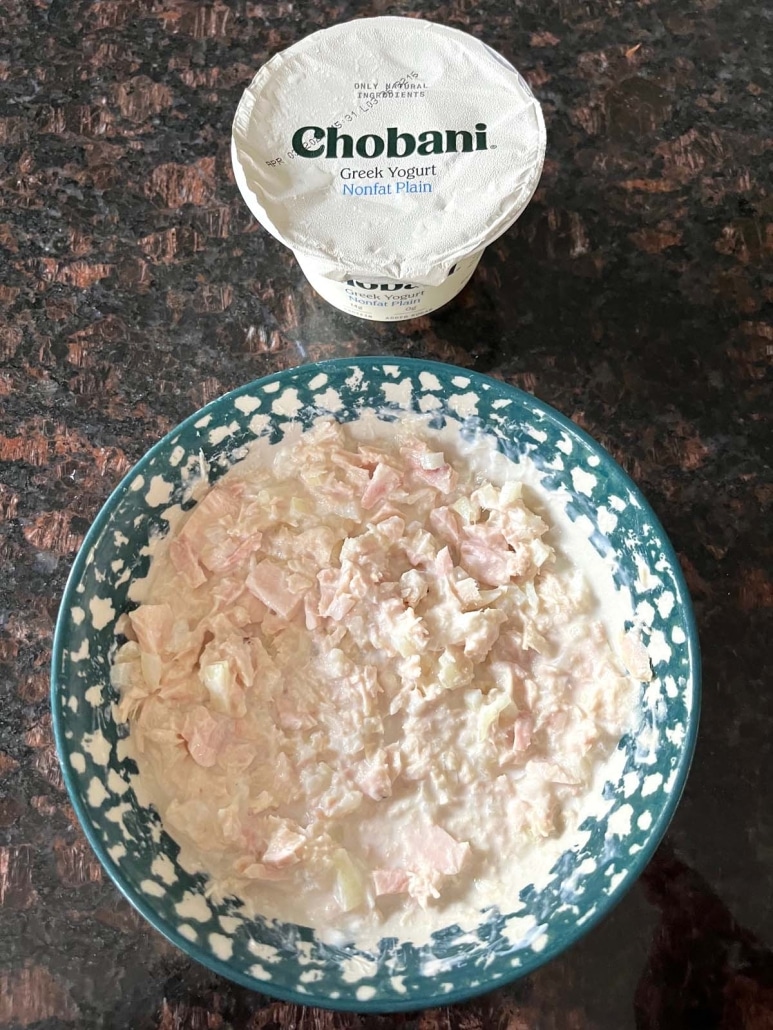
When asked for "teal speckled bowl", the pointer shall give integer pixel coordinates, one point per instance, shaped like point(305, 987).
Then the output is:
point(289, 961)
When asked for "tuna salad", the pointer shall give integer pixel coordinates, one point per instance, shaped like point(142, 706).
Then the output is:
point(363, 679)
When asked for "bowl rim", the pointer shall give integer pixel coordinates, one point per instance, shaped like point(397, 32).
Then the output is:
point(609, 901)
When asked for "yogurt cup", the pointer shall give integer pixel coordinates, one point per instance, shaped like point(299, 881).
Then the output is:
point(387, 153)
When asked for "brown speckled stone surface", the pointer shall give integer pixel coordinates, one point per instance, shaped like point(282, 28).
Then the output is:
point(635, 295)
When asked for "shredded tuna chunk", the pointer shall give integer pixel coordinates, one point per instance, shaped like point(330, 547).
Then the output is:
point(383, 483)
point(269, 583)
point(205, 735)
point(440, 853)
point(185, 561)
point(635, 657)
point(374, 777)
point(390, 881)
point(153, 625)
point(284, 844)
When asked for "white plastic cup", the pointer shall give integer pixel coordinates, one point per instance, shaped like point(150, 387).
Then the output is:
point(388, 301)
point(387, 153)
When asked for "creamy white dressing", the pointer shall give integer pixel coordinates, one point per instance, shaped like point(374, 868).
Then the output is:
point(498, 849)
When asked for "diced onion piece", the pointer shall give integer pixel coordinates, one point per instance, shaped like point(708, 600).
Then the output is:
point(225, 696)
point(487, 496)
point(349, 890)
point(130, 652)
point(431, 460)
point(125, 675)
point(540, 552)
point(490, 712)
point(298, 510)
point(509, 493)
point(465, 508)
point(454, 670)
point(532, 640)
point(151, 669)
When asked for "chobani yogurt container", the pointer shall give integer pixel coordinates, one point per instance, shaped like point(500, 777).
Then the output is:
point(387, 153)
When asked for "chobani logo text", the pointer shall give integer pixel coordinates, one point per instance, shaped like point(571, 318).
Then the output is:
point(314, 141)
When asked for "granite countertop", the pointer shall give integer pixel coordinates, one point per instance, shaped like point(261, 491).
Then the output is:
point(635, 295)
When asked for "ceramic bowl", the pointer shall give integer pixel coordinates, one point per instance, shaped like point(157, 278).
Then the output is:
point(289, 961)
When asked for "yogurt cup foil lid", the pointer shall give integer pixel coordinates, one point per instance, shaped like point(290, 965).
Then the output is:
point(387, 147)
